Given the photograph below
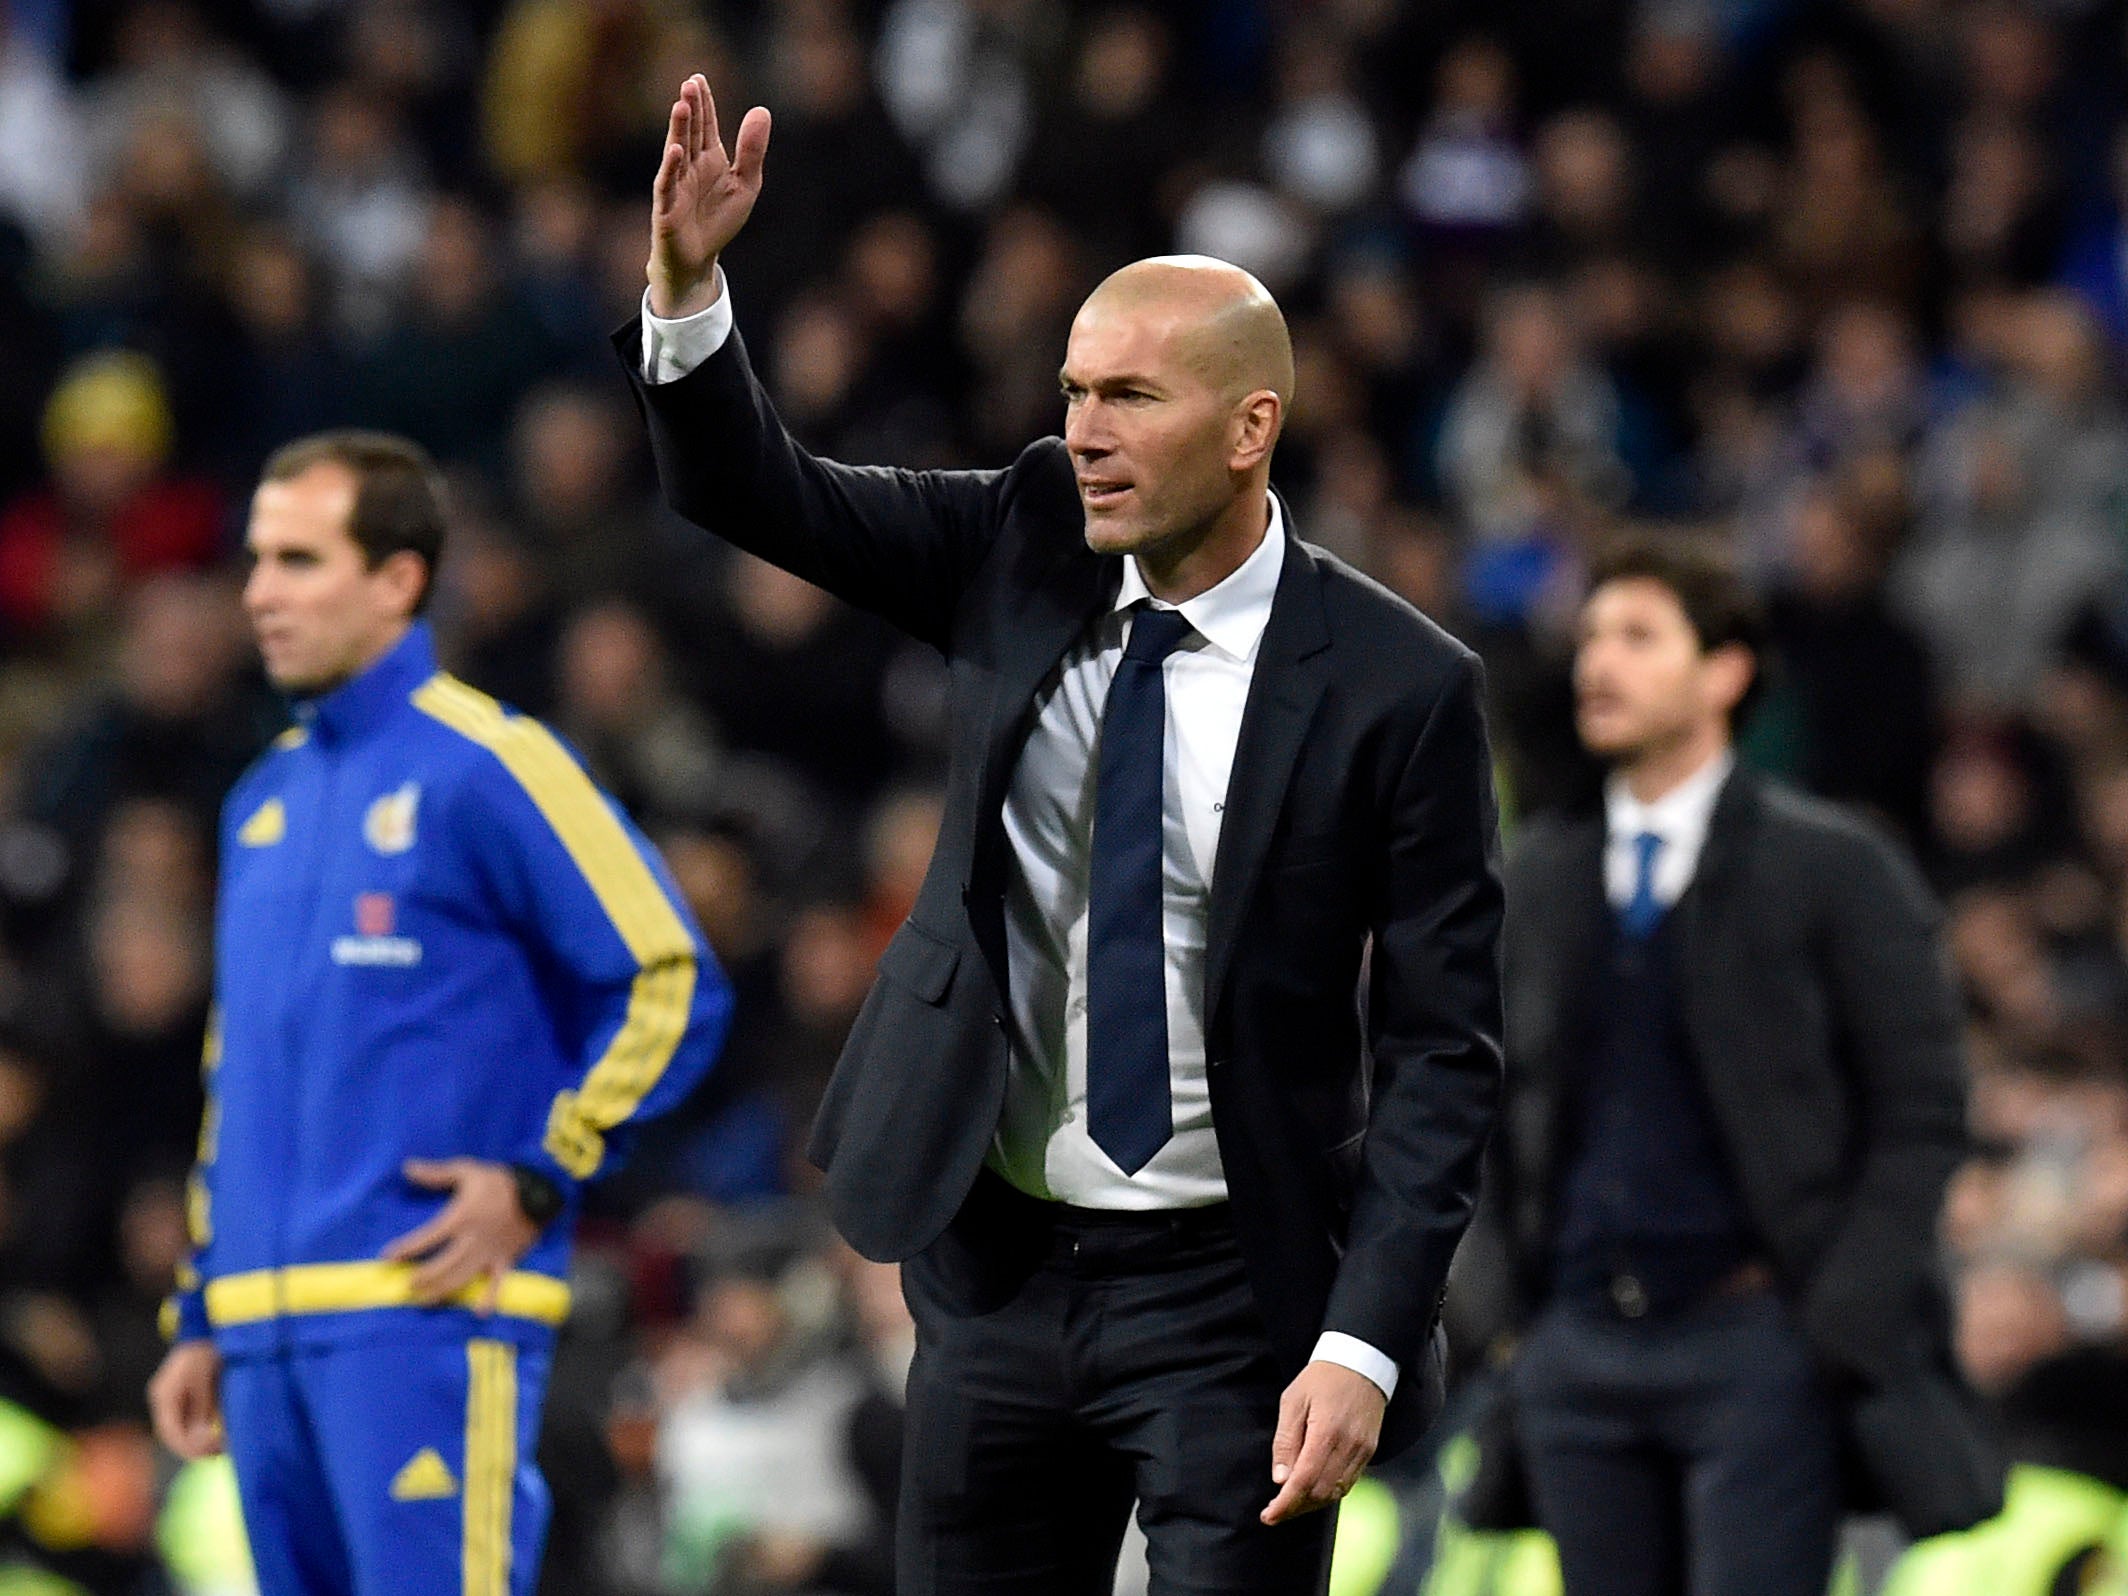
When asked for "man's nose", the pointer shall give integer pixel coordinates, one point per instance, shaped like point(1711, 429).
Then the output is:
point(1084, 433)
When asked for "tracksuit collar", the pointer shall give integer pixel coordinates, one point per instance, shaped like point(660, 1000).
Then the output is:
point(355, 706)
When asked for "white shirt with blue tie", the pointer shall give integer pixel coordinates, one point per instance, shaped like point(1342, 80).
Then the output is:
point(1680, 817)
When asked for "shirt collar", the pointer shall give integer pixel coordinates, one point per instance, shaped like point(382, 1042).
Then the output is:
point(1231, 614)
point(355, 705)
point(1685, 810)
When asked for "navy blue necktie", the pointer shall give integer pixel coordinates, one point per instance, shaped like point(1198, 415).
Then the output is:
point(1643, 911)
point(1127, 1109)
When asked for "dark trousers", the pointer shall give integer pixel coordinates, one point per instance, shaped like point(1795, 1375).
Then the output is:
point(1068, 1364)
point(1693, 1452)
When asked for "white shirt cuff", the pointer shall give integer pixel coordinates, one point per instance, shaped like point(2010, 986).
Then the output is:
point(1350, 1352)
point(673, 348)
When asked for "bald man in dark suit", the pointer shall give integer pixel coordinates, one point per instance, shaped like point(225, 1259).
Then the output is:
point(1175, 1224)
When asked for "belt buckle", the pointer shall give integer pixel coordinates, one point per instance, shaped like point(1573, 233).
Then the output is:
point(1628, 1296)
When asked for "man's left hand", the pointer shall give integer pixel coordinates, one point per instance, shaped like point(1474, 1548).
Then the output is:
point(1329, 1423)
point(480, 1232)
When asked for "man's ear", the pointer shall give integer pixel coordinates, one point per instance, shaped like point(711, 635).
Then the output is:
point(407, 576)
point(1731, 670)
point(1257, 420)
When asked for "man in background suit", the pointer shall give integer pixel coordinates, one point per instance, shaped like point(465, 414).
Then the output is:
point(1175, 1230)
point(1735, 1098)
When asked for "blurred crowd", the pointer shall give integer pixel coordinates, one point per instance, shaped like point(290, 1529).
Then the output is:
point(1842, 284)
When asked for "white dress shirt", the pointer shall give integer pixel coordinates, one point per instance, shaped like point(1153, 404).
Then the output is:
point(1680, 817)
point(1042, 1144)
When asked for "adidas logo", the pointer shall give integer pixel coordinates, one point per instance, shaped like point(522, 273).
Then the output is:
point(425, 1478)
point(268, 825)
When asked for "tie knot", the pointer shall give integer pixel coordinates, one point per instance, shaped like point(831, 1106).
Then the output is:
point(1155, 634)
point(1645, 847)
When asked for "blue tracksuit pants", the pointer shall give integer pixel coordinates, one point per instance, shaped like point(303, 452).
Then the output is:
point(396, 1468)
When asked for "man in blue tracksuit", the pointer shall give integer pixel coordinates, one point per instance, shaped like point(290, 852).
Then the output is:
point(450, 978)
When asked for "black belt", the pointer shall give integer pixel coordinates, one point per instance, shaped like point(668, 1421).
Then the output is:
point(1179, 1224)
point(1628, 1297)
point(1121, 1238)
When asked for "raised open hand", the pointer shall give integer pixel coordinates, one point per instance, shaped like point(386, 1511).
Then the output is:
point(701, 199)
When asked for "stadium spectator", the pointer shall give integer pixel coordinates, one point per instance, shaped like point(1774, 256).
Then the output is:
point(112, 512)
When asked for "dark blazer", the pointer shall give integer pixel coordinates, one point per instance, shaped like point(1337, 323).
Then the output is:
point(1360, 814)
point(1824, 1022)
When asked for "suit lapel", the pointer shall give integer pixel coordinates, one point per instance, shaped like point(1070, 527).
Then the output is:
point(1699, 913)
point(1050, 614)
point(1292, 669)
point(1053, 613)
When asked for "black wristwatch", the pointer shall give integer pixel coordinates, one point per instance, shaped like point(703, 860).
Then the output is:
point(539, 1198)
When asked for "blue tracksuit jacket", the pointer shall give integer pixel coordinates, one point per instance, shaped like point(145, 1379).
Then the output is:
point(435, 938)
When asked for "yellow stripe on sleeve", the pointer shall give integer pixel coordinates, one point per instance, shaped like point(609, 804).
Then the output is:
point(662, 994)
point(490, 1466)
point(199, 1212)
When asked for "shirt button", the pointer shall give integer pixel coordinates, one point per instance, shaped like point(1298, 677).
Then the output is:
point(1070, 1116)
point(1076, 1008)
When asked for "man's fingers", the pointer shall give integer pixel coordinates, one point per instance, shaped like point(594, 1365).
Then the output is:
point(1286, 1440)
point(427, 1238)
point(190, 1439)
point(187, 1414)
point(1307, 1482)
point(1316, 1466)
point(709, 137)
point(752, 147)
point(676, 127)
point(1340, 1470)
point(1293, 1500)
point(442, 1276)
point(202, 1425)
point(1345, 1458)
point(491, 1298)
point(1284, 1505)
point(437, 1174)
point(664, 190)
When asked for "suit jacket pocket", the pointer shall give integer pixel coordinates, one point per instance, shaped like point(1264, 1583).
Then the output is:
point(1312, 851)
point(921, 962)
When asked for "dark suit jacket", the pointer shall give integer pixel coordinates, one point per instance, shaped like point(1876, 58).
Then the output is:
point(1360, 813)
point(1826, 1029)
